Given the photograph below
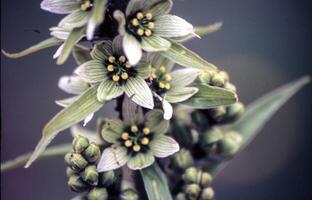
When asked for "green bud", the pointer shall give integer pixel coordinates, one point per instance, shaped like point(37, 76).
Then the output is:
point(90, 175)
point(182, 160)
point(190, 175)
point(234, 112)
point(205, 76)
point(70, 172)
point(129, 194)
point(108, 178)
point(192, 191)
point(77, 162)
point(68, 158)
point(80, 143)
point(98, 194)
point(224, 75)
point(77, 184)
point(229, 86)
point(92, 153)
point(217, 80)
point(181, 196)
point(205, 179)
point(207, 194)
point(200, 119)
point(230, 144)
point(218, 113)
point(211, 136)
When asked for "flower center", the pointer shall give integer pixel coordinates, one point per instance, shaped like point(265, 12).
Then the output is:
point(86, 5)
point(160, 80)
point(119, 69)
point(141, 25)
point(136, 138)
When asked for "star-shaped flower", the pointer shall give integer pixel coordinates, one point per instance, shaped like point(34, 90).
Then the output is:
point(148, 26)
point(116, 75)
point(136, 141)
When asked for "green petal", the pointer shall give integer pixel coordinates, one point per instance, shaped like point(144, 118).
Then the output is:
point(155, 43)
point(117, 45)
point(60, 6)
point(141, 160)
point(164, 146)
point(143, 69)
point(108, 90)
point(59, 32)
point(66, 102)
point(81, 54)
point(113, 158)
point(172, 26)
point(180, 94)
point(139, 92)
point(157, 60)
point(74, 20)
point(92, 71)
point(111, 130)
point(168, 110)
point(41, 45)
point(132, 49)
point(155, 121)
point(131, 113)
point(98, 14)
point(183, 77)
point(133, 6)
point(120, 18)
point(72, 84)
point(161, 8)
point(102, 50)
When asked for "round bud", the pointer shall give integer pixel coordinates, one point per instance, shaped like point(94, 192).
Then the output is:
point(68, 158)
point(70, 172)
point(181, 196)
point(129, 194)
point(192, 191)
point(98, 194)
point(217, 80)
point(230, 144)
point(92, 153)
point(205, 179)
point(77, 184)
point(205, 76)
point(207, 194)
point(90, 175)
point(78, 162)
point(211, 136)
point(229, 86)
point(224, 75)
point(182, 160)
point(218, 113)
point(200, 119)
point(108, 178)
point(80, 143)
point(234, 112)
point(190, 175)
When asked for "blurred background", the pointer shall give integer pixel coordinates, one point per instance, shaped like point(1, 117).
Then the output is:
point(263, 44)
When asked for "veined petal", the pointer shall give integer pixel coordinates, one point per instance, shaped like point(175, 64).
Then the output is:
point(66, 102)
point(108, 90)
point(132, 114)
point(183, 77)
point(74, 20)
point(111, 130)
point(180, 94)
point(92, 71)
point(112, 158)
point(143, 69)
point(98, 14)
point(160, 8)
point(155, 43)
point(139, 92)
point(132, 48)
point(60, 6)
point(164, 146)
point(168, 110)
point(133, 6)
point(172, 26)
point(59, 33)
point(141, 160)
point(117, 45)
point(102, 50)
point(155, 121)
point(120, 18)
point(88, 119)
point(58, 51)
point(157, 60)
point(72, 84)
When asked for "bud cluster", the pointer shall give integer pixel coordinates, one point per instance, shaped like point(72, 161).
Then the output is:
point(181, 160)
point(82, 173)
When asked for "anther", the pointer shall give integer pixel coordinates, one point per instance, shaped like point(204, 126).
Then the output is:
point(116, 78)
point(161, 85)
point(150, 25)
point(146, 131)
point(149, 16)
point(122, 59)
point(124, 76)
point(110, 68)
point(168, 77)
point(145, 141)
point(128, 65)
point(125, 136)
point(136, 148)
point(128, 143)
point(111, 59)
point(148, 32)
point(162, 69)
point(139, 15)
point(134, 128)
point(135, 22)
point(140, 32)
point(167, 86)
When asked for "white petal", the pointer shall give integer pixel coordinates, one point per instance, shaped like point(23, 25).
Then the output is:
point(108, 90)
point(168, 110)
point(91, 29)
point(183, 77)
point(60, 6)
point(132, 49)
point(72, 84)
point(88, 119)
point(112, 158)
point(58, 51)
point(164, 146)
point(66, 102)
point(92, 71)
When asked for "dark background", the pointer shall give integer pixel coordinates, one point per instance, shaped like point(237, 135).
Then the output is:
point(263, 44)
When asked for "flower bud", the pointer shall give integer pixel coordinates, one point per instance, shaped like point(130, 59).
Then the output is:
point(68, 158)
point(217, 80)
point(90, 175)
point(205, 179)
point(80, 143)
point(182, 160)
point(77, 184)
point(205, 76)
point(230, 144)
point(181, 196)
point(211, 136)
point(192, 191)
point(224, 75)
point(234, 112)
point(218, 113)
point(190, 175)
point(98, 194)
point(207, 194)
point(77, 162)
point(92, 153)
point(70, 172)
point(108, 178)
point(200, 119)
point(129, 194)
point(230, 86)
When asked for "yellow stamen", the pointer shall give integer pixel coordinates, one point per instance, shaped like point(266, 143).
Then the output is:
point(128, 143)
point(148, 32)
point(136, 148)
point(122, 59)
point(111, 59)
point(116, 78)
point(149, 16)
point(168, 77)
point(153, 70)
point(128, 65)
point(110, 68)
point(167, 86)
point(125, 136)
point(145, 141)
point(146, 131)
point(135, 22)
point(154, 75)
point(139, 15)
point(124, 76)
point(140, 32)
point(162, 69)
point(162, 85)
point(151, 25)
point(134, 128)
point(86, 5)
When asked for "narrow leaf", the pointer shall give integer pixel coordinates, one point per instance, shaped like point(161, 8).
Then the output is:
point(155, 183)
point(74, 113)
point(50, 42)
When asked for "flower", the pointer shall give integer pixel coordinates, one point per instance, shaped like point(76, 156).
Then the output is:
point(171, 87)
point(136, 141)
point(148, 26)
point(116, 75)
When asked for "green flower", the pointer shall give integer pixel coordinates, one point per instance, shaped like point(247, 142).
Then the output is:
point(116, 75)
point(136, 141)
point(148, 26)
point(171, 87)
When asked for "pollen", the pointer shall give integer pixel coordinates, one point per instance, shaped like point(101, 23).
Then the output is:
point(168, 77)
point(128, 65)
point(128, 143)
point(161, 85)
point(136, 148)
point(146, 131)
point(111, 59)
point(162, 69)
point(135, 22)
point(145, 141)
point(125, 136)
point(134, 129)
point(122, 59)
point(150, 25)
point(116, 78)
point(139, 15)
point(148, 32)
point(140, 32)
point(124, 76)
point(110, 68)
point(167, 86)
point(149, 16)
point(86, 5)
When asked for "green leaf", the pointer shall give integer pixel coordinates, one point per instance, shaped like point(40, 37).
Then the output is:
point(73, 38)
point(19, 161)
point(185, 57)
point(210, 97)
point(155, 183)
point(50, 42)
point(81, 54)
point(74, 113)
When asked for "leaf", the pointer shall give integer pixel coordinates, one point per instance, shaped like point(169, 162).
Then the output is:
point(75, 35)
point(50, 42)
point(58, 150)
point(81, 54)
point(155, 183)
point(185, 57)
point(259, 112)
point(210, 97)
point(74, 113)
